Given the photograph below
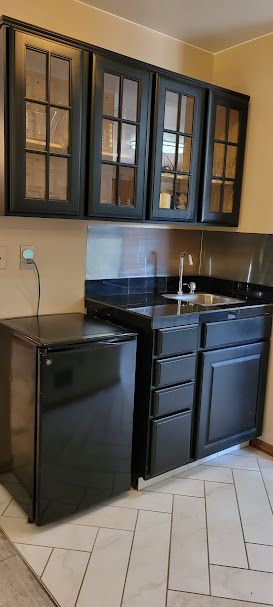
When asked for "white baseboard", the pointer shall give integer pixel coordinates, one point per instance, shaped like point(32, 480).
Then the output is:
point(142, 484)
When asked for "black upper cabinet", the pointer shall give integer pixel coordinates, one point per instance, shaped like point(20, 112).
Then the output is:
point(224, 157)
point(89, 133)
point(45, 126)
point(118, 139)
point(178, 125)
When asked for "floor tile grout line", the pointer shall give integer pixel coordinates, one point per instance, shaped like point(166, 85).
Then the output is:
point(87, 564)
point(47, 546)
point(240, 568)
point(7, 505)
point(174, 493)
point(235, 468)
point(103, 527)
point(242, 527)
point(129, 560)
point(207, 537)
point(8, 557)
point(144, 509)
point(47, 563)
point(208, 480)
point(169, 554)
point(258, 544)
point(216, 596)
point(261, 473)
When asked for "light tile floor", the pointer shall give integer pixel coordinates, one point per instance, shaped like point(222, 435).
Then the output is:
point(202, 538)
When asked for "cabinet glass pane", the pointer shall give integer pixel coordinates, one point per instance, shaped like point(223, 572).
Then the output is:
point(59, 81)
point(166, 191)
point(231, 161)
point(36, 71)
point(218, 159)
point(35, 126)
point(233, 125)
point(58, 178)
point(215, 196)
point(130, 99)
point(181, 192)
point(220, 122)
point(109, 140)
point(186, 115)
point(59, 130)
point(171, 109)
point(111, 95)
point(228, 197)
point(128, 143)
point(108, 184)
point(35, 176)
point(168, 151)
point(184, 154)
point(127, 186)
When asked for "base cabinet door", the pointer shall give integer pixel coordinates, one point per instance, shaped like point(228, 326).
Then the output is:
point(232, 397)
point(170, 442)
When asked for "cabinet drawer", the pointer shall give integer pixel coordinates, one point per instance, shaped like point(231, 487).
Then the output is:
point(170, 442)
point(174, 370)
point(170, 400)
point(177, 341)
point(231, 332)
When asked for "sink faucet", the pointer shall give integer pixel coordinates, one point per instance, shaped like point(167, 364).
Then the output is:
point(181, 269)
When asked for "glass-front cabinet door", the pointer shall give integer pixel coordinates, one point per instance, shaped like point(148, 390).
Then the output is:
point(227, 116)
point(177, 150)
point(46, 112)
point(119, 136)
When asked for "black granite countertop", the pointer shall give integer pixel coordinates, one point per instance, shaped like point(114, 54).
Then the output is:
point(161, 312)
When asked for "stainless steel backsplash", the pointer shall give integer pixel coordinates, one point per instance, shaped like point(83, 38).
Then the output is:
point(115, 251)
point(237, 256)
point(122, 251)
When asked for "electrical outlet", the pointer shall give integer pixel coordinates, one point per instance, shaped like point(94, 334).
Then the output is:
point(3, 258)
point(23, 263)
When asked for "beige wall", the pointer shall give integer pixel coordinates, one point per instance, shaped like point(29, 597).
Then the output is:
point(78, 20)
point(60, 244)
point(248, 68)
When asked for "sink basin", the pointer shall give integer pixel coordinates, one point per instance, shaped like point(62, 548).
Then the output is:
point(203, 299)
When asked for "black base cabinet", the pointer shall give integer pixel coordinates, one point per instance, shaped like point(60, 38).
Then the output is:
point(231, 396)
point(200, 388)
point(170, 442)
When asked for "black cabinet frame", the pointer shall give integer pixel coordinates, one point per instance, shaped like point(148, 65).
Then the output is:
point(19, 203)
point(95, 207)
point(232, 102)
point(180, 87)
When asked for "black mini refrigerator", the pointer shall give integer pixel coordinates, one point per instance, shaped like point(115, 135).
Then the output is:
point(67, 400)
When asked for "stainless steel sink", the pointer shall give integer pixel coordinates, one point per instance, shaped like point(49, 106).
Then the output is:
point(203, 299)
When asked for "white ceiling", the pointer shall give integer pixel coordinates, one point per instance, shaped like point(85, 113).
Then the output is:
point(212, 25)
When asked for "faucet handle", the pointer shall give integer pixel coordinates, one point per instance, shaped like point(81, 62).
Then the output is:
point(192, 286)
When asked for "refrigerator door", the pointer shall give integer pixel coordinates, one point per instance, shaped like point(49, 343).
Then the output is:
point(84, 426)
